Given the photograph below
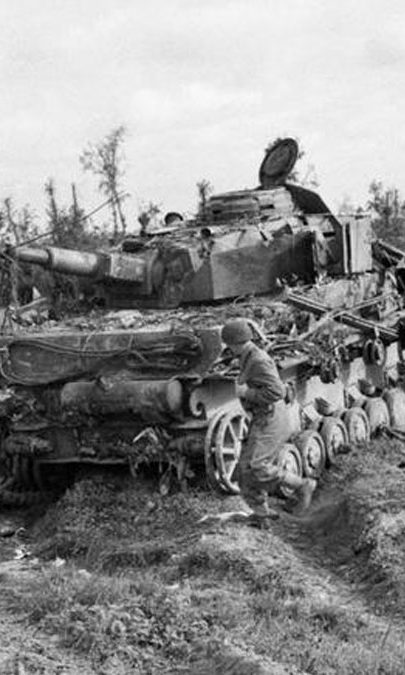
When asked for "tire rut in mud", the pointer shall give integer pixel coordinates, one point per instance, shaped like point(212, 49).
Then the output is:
point(333, 538)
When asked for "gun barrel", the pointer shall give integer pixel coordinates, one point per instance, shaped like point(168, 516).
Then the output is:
point(67, 261)
point(37, 256)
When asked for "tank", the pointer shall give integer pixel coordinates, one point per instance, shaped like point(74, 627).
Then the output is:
point(146, 379)
point(244, 242)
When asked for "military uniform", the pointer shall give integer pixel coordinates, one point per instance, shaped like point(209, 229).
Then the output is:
point(262, 394)
point(264, 399)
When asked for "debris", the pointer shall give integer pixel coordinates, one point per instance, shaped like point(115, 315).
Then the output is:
point(58, 562)
point(7, 530)
point(84, 573)
point(21, 552)
point(225, 517)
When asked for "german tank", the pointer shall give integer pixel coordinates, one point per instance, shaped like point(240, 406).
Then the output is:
point(150, 382)
point(245, 242)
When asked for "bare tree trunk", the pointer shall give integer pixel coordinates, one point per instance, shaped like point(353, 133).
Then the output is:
point(75, 207)
point(120, 212)
point(115, 218)
point(10, 220)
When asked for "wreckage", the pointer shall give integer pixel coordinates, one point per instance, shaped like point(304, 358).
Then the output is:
point(160, 389)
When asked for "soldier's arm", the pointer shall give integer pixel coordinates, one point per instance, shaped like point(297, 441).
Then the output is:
point(264, 385)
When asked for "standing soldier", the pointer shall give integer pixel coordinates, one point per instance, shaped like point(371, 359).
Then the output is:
point(262, 394)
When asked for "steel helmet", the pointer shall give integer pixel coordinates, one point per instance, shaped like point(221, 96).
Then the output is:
point(236, 331)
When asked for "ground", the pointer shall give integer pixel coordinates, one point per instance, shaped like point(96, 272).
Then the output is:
point(113, 578)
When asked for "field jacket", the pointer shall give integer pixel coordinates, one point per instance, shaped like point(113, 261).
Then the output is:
point(265, 387)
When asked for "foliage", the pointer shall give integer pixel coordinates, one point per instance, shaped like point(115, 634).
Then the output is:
point(16, 226)
point(104, 159)
point(385, 202)
point(68, 228)
point(66, 225)
point(389, 210)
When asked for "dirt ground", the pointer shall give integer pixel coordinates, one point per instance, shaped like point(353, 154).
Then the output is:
point(113, 579)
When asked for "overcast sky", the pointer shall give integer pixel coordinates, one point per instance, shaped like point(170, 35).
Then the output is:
point(202, 87)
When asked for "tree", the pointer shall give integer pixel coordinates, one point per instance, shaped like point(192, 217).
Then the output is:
point(104, 159)
point(67, 225)
point(389, 210)
point(16, 225)
point(385, 202)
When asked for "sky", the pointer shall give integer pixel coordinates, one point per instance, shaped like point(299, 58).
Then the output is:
point(202, 87)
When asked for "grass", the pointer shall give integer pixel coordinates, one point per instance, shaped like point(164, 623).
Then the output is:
point(145, 590)
point(143, 624)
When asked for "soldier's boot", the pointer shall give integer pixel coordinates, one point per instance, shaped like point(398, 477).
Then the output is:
point(262, 514)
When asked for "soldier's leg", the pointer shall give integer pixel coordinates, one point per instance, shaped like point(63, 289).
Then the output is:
point(254, 480)
point(253, 494)
point(304, 487)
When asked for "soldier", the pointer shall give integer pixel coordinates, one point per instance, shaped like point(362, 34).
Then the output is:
point(262, 394)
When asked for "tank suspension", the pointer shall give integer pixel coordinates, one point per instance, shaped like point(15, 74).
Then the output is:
point(326, 432)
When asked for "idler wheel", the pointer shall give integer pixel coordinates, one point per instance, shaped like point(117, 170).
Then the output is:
point(223, 445)
point(335, 437)
point(312, 449)
point(395, 400)
point(211, 468)
point(289, 459)
point(377, 413)
point(232, 430)
point(358, 426)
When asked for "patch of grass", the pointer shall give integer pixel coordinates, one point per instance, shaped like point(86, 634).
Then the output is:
point(94, 514)
point(130, 556)
point(289, 617)
point(141, 623)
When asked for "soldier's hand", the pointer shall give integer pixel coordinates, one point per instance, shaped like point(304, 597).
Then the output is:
point(241, 390)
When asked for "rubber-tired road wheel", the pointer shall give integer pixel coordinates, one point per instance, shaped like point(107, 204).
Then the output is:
point(378, 415)
point(290, 460)
point(312, 450)
point(395, 400)
point(335, 437)
point(357, 425)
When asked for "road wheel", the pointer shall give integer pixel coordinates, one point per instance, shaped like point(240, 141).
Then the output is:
point(312, 449)
point(357, 425)
point(230, 433)
point(395, 400)
point(377, 413)
point(290, 460)
point(335, 437)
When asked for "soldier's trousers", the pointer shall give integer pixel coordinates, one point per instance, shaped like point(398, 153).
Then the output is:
point(259, 472)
